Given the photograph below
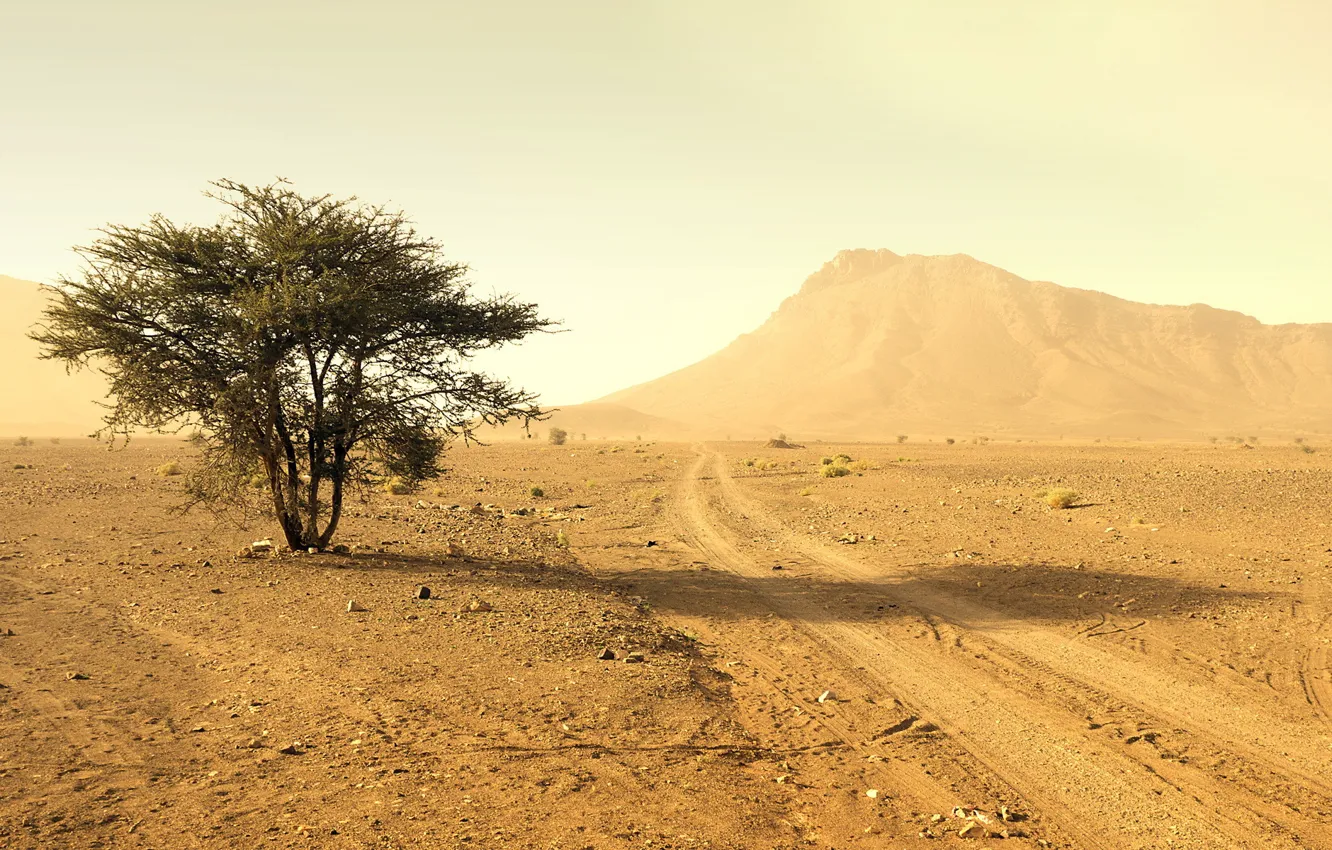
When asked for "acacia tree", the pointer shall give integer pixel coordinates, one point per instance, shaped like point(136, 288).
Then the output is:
point(313, 342)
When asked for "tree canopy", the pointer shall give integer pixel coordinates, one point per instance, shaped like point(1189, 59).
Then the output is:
point(312, 341)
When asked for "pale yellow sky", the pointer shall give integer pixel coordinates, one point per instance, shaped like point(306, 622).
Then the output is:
point(661, 175)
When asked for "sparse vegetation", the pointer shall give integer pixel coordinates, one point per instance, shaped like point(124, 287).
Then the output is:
point(1059, 497)
point(834, 470)
point(1307, 449)
point(901, 438)
point(169, 468)
point(397, 486)
point(561, 539)
point(321, 337)
point(23, 441)
point(557, 436)
point(536, 492)
point(950, 441)
point(806, 491)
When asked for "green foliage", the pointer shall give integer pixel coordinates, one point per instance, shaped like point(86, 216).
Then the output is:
point(834, 471)
point(318, 338)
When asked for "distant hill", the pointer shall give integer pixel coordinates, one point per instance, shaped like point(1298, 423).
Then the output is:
point(37, 397)
point(875, 344)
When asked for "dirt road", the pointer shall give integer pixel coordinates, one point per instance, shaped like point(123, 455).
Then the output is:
point(1102, 748)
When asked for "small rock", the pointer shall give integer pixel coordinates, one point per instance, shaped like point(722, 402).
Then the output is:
point(313, 550)
point(872, 793)
point(7, 633)
point(421, 592)
point(254, 744)
point(476, 606)
point(971, 830)
point(784, 779)
point(198, 729)
point(216, 590)
point(292, 749)
point(634, 658)
point(649, 544)
point(76, 676)
point(778, 567)
point(260, 546)
point(827, 696)
point(606, 654)
point(354, 607)
point(341, 549)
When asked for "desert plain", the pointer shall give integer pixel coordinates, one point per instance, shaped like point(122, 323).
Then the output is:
point(679, 645)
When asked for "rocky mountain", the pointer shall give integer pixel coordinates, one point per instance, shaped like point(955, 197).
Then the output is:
point(876, 344)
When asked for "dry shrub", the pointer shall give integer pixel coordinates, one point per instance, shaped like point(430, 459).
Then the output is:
point(834, 470)
point(1059, 497)
point(860, 466)
point(169, 468)
point(536, 492)
point(397, 487)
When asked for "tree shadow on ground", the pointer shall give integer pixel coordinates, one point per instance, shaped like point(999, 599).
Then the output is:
point(978, 595)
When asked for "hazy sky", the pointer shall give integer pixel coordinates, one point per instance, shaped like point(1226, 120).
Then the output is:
point(660, 175)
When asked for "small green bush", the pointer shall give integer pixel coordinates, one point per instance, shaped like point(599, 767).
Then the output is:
point(169, 468)
point(397, 487)
point(834, 471)
point(536, 492)
point(827, 461)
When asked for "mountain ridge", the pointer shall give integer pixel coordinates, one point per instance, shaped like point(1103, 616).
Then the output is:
point(875, 341)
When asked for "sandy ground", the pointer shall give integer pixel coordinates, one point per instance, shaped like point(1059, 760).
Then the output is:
point(1147, 669)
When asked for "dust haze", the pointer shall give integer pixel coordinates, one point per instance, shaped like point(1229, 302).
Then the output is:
point(796, 527)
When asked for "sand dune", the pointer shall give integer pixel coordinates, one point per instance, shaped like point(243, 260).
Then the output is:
point(876, 344)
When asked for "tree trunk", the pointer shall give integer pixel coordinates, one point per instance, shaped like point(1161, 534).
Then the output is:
point(291, 525)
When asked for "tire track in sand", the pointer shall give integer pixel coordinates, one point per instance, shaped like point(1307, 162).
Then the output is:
point(1095, 792)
